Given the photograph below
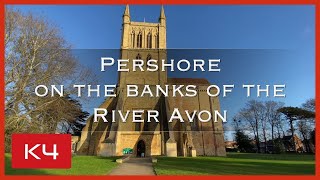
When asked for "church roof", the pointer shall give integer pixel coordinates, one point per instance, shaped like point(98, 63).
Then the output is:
point(193, 81)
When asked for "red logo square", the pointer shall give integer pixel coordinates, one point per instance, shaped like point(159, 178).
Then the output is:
point(41, 151)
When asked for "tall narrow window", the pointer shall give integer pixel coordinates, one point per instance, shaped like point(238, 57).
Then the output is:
point(149, 40)
point(133, 36)
point(139, 40)
point(137, 126)
point(138, 56)
point(195, 124)
point(138, 62)
point(146, 126)
point(157, 41)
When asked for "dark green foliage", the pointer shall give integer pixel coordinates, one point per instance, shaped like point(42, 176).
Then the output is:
point(295, 113)
point(243, 142)
point(77, 121)
point(278, 146)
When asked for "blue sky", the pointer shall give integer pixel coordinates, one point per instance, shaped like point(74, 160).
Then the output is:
point(289, 30)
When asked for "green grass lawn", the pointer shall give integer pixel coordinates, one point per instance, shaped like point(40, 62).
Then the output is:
point(81, 165)
point(234, 163)
point(238, 163)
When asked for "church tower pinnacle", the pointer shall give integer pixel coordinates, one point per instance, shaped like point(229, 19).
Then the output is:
point(125, 27)
point(126, 15)
point(162, 18)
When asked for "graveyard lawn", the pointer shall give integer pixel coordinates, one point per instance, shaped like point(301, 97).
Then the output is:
point(238, 163)
point(81, 165)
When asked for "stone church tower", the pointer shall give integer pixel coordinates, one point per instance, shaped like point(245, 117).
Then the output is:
point(145, 41)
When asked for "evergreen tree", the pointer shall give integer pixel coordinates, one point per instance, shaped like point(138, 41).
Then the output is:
point(243, 142)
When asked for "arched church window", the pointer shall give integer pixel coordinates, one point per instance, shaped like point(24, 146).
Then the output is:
point(139, 40)
point(138, 56)
point(137, 126)
point(157, 41)
point(146, 126)
point(149, 40)
point(133, 35)
point(195, 124)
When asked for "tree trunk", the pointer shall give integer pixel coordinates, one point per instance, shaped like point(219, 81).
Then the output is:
point(265, 141)
point(292, 135)
point(257, 138)
point(272, 138)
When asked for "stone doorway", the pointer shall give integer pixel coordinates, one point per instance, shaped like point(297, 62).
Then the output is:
point(141, 149)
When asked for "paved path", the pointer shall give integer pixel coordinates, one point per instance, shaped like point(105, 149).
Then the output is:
point(135, 166)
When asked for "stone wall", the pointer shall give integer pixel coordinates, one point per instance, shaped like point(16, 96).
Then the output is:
point(152, 142)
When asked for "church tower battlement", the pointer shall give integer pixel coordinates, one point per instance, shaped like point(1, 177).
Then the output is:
point(143, 35)
point(145, 41)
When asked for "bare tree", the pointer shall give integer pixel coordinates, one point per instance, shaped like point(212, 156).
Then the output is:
point(237, 123)
point(37, 54)
point(273, 117)
point(304, 127)
point(264, 124)
point(280, 126)
point(307, 127)
point(257, 110)
point(252, 114)
point(310, 105)
point(263, 118)
point(294, 114)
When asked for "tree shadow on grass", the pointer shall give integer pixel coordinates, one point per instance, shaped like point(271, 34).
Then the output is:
point(10, 171)
point(112, 159)
point(220, 166)
point(81, 165)
point(286, 157)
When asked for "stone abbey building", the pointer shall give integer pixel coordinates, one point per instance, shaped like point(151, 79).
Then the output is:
point(144, 40)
